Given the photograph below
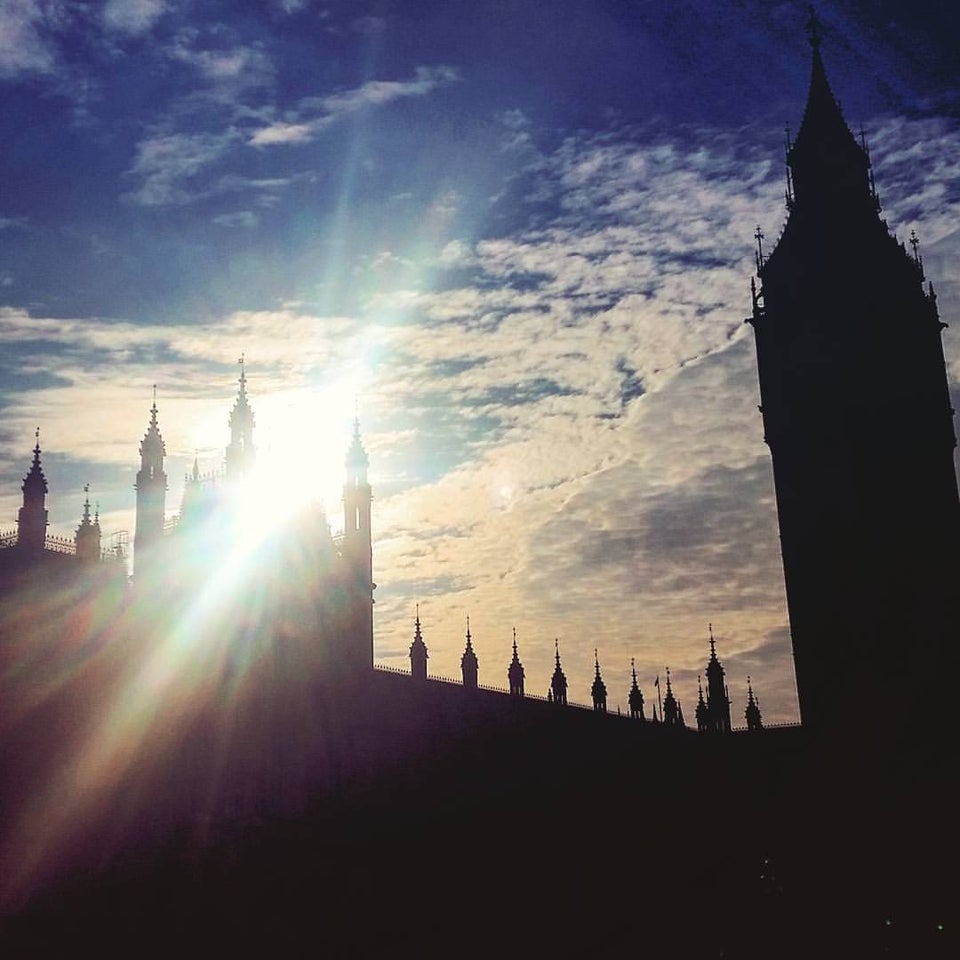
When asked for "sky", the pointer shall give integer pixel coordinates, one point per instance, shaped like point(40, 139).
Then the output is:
point(515, 238)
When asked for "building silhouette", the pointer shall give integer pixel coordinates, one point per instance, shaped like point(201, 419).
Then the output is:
point(299, 792)
point(856, 412)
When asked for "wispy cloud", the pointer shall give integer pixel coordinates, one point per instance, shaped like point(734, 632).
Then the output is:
point(315, 113)
point(133, 16)
point(24, 38)
point(166, 164)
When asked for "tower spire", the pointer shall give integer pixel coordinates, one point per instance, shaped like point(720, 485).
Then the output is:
point(418, 652)
point(241, 453)
point(558, 683)
point(32, 518)
point(599, 689)
point(151, 487)
point(87, 536)
point(635, 697)
point(752, 712)
point(515, 672)
point(469, 665)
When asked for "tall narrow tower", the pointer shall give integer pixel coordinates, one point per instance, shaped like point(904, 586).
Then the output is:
point(856, 412)
point(358, 555)
point(241, 453)
point(32, 518)
point(151, 487)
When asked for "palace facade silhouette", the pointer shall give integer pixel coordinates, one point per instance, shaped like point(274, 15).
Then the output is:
point(301, 792)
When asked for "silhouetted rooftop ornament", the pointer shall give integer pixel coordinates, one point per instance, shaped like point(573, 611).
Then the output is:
point(418, 651)
point(635, 697)
point(599, 689)
point(35, 483)
point(558, 684)
point(515, 672)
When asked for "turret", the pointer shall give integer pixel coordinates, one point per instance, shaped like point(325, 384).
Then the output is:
point(752, 713)
point(703, 714)
point(87, 538)
point(558, 683)
point(635, 697)
point(469, 665)
point(598, 691)
point(241, 453)
point(151, 487)
point(358, 551)
point(717, 716)
point(672, 713)
point(32, 518)
point(515, 672)
point(418, 652)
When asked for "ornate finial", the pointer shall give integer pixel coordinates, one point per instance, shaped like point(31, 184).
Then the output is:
point(37, 435)
point(514, 641)
point(915, 245)
point(96, 512)
point(713, 643)
point(418, 613)
point(758, 236)
point(556, 647)
point(596, 661)
point(814, 34)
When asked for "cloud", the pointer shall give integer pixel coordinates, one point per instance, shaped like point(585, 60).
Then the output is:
point(228, 70)
point(24, 43)
point(281, 132)
point(133, 16)
point(167, 162)
point(239, 218)
point(316, 113)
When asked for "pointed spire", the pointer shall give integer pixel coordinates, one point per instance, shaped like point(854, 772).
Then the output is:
point(599, 689)
point(752, 713)
point(515, 672)
point(87, 537)
point(469, 665)
point(241, 453)
point(35, 482)
point(827, 166)
point(558, 683)
point(635, 697)
point(418, 651)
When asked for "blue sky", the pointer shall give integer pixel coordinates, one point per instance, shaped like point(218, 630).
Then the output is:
point(518, 234)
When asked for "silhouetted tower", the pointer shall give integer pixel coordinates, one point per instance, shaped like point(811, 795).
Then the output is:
point(672, 712)
point(856, 412)
point(32, 518)
point(241, 454)
point(635, 697)
point(469, 665)
point(702, 713)
point(87, 538)
point(418, 652)
point(358, 551)
point(151, 487)
point(558, 683)
point(752, 713)
point(599, 689)
point(718, 701)
point(515, 671)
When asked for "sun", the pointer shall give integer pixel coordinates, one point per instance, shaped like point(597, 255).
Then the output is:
point(301, 440)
